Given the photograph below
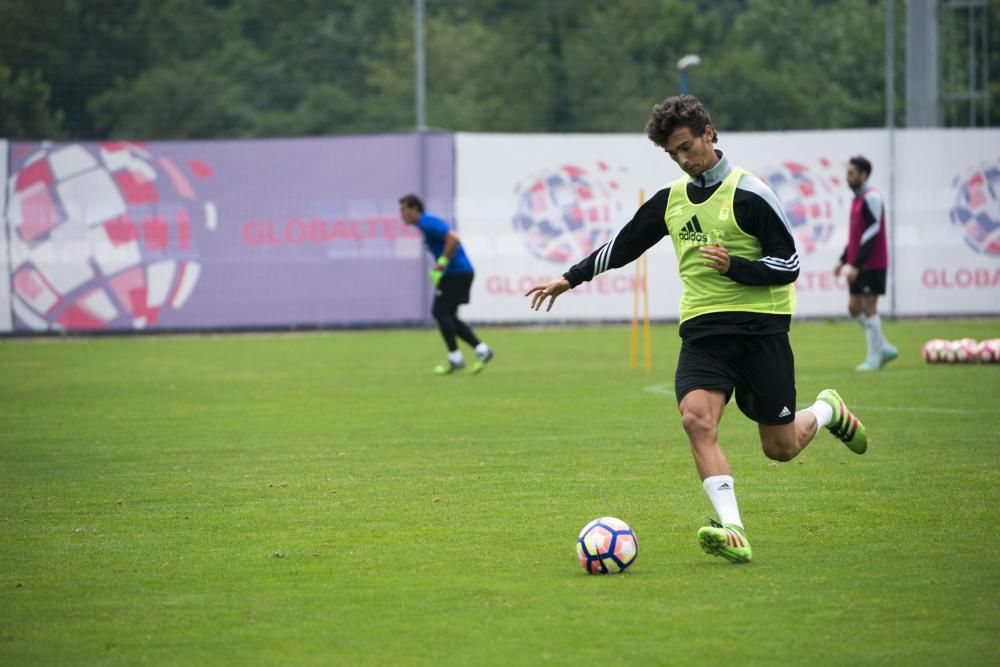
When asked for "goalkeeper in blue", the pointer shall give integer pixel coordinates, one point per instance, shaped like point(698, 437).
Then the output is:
point(451, 277)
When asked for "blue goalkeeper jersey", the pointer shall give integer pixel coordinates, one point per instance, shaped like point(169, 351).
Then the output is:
point(434, 230)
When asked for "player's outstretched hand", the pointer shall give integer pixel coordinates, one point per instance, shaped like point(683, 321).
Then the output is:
point(549, 290)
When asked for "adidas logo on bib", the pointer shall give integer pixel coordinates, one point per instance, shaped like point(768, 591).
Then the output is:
point(692, 232)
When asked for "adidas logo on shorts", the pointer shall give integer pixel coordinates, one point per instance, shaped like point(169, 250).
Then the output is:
point(784, 412)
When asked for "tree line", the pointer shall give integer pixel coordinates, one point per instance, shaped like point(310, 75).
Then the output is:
point(188, 69)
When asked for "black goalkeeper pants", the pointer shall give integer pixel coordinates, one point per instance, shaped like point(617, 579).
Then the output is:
point(452, 291)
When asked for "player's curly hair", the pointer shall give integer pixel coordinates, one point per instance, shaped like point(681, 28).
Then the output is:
point(676, 112)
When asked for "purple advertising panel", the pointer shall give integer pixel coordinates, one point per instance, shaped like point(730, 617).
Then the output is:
point(220, 234)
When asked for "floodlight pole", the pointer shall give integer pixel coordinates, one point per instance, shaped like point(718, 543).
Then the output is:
point(685, 63)
point(421, 74)
point(890, 125)
point(420, 84)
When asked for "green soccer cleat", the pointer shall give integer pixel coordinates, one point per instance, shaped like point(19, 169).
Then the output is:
point(447, 368)
point(844, 425)
point(889, 352)
point(480, 363)
point(729, 542)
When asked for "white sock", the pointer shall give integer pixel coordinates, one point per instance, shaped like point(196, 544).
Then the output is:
point(877, 320)
point(873, 334)
point(455, 357)
point(720, 491)
point(482, 349)
point(823, 413)
point(862, 320)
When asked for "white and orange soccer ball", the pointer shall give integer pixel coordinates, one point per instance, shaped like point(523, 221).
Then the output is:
point(962, 351)
point(988, 351)
point(935, 351)
point(606, 546)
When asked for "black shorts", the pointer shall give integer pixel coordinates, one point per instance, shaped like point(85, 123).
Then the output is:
point(453, 289)
point(871, 281)
point(760, 368)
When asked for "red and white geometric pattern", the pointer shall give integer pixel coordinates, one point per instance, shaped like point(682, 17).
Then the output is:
point(101, 234)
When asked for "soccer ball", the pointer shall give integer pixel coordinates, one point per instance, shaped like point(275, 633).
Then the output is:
point(962, 351)
point(934, 351)
point(606, 546)
point(988, 351)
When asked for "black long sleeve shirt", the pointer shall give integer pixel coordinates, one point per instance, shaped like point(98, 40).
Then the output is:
point(757, 211)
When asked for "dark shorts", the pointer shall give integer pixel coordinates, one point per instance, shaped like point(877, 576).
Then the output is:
point(871, 281)
point(761, 370)
point(453, 289)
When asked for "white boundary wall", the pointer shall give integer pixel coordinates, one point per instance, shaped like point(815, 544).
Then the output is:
point(5, 316)
point(939, 267)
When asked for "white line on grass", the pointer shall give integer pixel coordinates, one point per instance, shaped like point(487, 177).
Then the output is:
point(913, 408)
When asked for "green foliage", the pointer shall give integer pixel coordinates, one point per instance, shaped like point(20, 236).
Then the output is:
point(252, 68)
point(805, 66)
point(621, 61)
point(80, 48)
point(324, 499)
point(24, 106)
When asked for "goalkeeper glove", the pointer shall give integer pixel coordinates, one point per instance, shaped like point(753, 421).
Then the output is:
point(438, 271)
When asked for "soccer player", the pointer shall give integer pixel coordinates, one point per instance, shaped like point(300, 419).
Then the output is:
point(864, 262)
point(451, 277)
point(737, 261)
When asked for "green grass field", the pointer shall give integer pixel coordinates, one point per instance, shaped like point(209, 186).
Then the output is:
point(324, 499)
